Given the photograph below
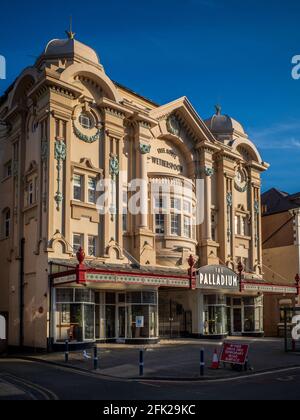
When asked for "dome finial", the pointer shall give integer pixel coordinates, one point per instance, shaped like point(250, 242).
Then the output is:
point(70, 33)
point(218, 109)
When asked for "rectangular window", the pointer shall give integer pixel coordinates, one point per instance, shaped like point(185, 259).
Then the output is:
point(187, 207)
point(77, 242)
point(159, 202)
point(175, 224)
point(160, 224)
point(214, 226)
point(237, 225)
point(187, 227)
point(125, 211)
point(92, 190)
point(214, 233)
point(64, 295)
point(244, 226)
point(7, 224)
point(30, 193)
point(7, 170)
point(78, 187)
point(176, 204)
point(92, 246)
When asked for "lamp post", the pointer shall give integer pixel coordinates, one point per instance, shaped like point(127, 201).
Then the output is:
point(240, 270)
point(192, 262)
point(297, 280)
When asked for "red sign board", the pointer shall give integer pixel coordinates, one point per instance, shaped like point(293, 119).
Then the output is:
point(235, 354)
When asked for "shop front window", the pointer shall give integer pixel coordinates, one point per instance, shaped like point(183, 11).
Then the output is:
point(245, 315)
point(253, 314)
point(75, 315)
point(110, 321)
point(142, 316)
point(215, 315)
point(83, 316)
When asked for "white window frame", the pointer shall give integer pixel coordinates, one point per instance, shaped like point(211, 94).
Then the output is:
point(79, 186)
point(94, 238)
point(81, 235)
point(159, 225)
point(85, 121)
point(189, 226)
point(93, 190)
point(177, 217)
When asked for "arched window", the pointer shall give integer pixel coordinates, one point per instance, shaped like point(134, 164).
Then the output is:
point(6, 223)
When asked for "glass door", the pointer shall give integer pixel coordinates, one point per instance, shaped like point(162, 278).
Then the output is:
point(237, 321)
point(89, 322)
point(121, 322)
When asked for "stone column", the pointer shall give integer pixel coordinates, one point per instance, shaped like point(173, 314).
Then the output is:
point(144, 150)
point(209, 172)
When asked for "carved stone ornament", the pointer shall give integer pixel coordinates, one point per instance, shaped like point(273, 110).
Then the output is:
point(60, 154)
point(85, 138)
point(209, 171)
point(241, 181)
point(114, 166)
point(145, 149)
point(173, 125)
point(229, 199)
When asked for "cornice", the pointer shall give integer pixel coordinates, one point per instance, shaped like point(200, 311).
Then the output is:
point(113, 108)
point(257, 166)
point(62, 88)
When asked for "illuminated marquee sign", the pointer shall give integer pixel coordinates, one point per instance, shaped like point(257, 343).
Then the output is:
point(217, 277)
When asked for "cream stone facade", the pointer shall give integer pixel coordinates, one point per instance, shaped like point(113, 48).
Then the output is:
point(65, 127)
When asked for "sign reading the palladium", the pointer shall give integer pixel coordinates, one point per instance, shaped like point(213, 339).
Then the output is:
point(217, 277)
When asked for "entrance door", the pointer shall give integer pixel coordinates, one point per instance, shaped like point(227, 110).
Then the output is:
point(237, 321)
point(121, 322)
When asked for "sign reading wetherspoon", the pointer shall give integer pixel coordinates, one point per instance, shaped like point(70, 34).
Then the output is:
point(217, 277)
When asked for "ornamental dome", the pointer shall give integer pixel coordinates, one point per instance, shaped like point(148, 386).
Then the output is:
point(223, 124)
point(69, 48)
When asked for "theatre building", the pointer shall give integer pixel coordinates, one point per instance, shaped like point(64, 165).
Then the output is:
point(71, 271)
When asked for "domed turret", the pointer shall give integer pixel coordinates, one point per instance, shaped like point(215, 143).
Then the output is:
point(224, 126)
point(70, 48)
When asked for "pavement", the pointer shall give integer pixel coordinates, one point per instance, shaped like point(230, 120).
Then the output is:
point(176, 359)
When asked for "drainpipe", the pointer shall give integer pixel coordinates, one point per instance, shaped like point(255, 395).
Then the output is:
point(22, 262)
point(50, 287)
point(296, 214)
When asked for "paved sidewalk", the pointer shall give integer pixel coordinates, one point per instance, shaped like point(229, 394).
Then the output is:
point(178, 359)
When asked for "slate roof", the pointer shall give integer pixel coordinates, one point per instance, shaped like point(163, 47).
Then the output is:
point(276, 201)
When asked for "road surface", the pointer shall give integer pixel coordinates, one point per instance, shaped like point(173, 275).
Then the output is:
point(26, 380)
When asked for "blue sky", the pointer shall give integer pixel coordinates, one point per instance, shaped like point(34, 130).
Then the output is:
point(237, 53)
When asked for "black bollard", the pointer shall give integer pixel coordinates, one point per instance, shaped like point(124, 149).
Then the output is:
point(96, 358)
point(67, 352)
point(141, 363)
point(202, 362)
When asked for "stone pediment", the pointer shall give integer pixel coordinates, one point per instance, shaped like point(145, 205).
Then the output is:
point(179, 119)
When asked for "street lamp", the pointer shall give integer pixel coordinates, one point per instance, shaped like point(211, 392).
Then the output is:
point(192, 262)
point(297, 279)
